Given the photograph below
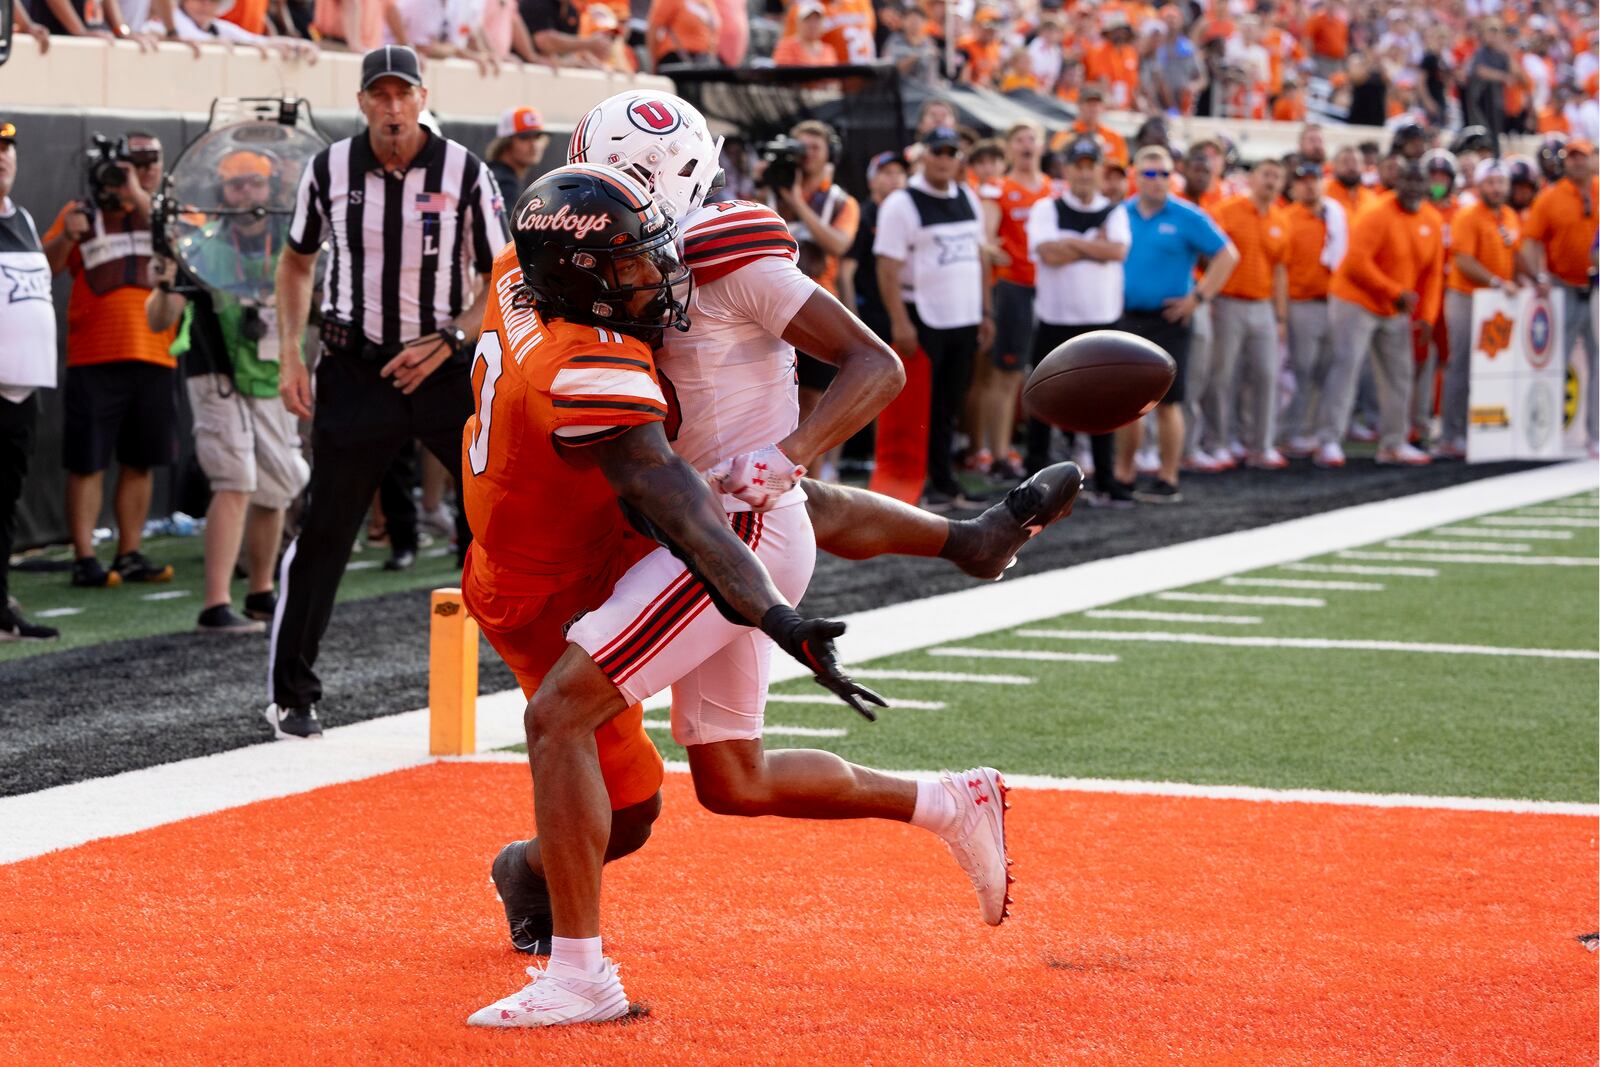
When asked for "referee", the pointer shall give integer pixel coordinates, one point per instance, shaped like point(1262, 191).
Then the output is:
point(413, 221)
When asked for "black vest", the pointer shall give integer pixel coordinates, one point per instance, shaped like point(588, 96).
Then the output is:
point(1073, 220)
point(939, 210)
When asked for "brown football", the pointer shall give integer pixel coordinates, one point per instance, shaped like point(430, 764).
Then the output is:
point(1098, 381)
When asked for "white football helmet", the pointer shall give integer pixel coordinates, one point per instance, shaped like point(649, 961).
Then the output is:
point(657, 138)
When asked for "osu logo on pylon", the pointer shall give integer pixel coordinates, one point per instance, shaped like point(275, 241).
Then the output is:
point(1495, 336)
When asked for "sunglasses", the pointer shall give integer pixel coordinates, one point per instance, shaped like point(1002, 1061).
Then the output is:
point(145, 157)
point(946, 151)
point(1153, 174)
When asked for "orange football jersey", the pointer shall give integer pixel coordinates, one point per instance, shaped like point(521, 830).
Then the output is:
point(541, 522)
point(848, 26)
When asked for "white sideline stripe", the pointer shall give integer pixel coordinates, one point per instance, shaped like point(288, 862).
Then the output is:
point(1306, 583)
point(35, 823)
point(1189, 791)
point(943, 676)
point(170, 594)
point(361, 565)
point(1020, 653)
point(1321, 643)
point(57, 613)
point(769, 731)
point(1241, 598)
point(1509, 535)
point(1539, 520)
point(1463, 546)
point(1361, 568)
point(1471, 557)
point(1170, 616)
point(832, 701)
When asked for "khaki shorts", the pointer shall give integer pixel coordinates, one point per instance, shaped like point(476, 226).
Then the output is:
point(246, 444)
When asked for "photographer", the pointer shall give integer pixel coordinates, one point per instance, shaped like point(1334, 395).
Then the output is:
point(245, 439)
point(823, 218)
point(121, 387)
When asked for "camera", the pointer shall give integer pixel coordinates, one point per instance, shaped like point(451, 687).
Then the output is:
point(783, 157)
point(104, 171)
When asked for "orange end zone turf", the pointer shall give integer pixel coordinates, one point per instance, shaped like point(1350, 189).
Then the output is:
point(356, 923)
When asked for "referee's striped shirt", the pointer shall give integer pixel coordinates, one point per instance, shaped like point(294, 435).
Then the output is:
point(405, 248)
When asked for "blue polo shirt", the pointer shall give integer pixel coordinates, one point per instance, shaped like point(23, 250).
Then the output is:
point(1163, 252)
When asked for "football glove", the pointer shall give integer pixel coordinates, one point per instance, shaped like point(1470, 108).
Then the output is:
point(757, 478)
point(811, 642)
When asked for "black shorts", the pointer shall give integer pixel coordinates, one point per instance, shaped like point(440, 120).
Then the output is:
point(1171, 336)
point(1013, 326)
point(812, 373)
point(129, 409)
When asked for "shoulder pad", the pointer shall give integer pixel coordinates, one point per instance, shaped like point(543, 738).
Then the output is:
point(719, 238)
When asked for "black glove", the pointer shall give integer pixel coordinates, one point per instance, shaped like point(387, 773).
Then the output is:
point(811, 642)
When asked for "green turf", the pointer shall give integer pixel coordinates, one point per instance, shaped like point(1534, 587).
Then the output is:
point(1286, 718)
point(123, 612)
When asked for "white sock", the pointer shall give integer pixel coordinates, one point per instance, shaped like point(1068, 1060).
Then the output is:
point(936, 808)
point(579, 953)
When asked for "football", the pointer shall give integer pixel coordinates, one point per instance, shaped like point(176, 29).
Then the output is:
point(1099, 381)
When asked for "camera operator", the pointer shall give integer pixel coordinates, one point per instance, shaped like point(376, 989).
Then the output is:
point(245, 439)
point(27, 363)
point(823, 219)
point(121, 383)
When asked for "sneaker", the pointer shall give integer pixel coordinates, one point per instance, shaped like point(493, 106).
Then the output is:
point(403, 560)
point(1007, 470)
point(981, 460)
point(1403, 456)
point(1300, 447)
point(1448, 450)
point(135, 568)
point(1363, 433)
point(1198, 462)
point(1328, 456)
point(1237, 452)
point(978, 837)
point(13, 627)
point(261, 606)
point(558, 996)
point(87, 573)
point(1222, 460)
point(1157, 491)
point(293, 724)
point(220, 619)
point(439, 522)
point(1270, 460)
point(526, 898)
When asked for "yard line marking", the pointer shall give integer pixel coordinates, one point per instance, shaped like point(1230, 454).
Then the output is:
point(170, 594)
point(1171, 616)
point(1306, 583)
point(438, 552)
point(1471, 557)
point(361, 565)
point(1320, 643)
point(57, 613)
point(768, 731)
point(1567, 513)
point(941, 676)
point(1509, 535)
point(820, 698)
point(1361, 568)
point(1239, 598)
point(1539, 520)
point(1020, 653)
point(1463, 546)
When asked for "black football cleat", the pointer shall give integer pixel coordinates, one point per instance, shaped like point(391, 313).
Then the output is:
point(993, 539)
point(293, 724)
point(526, 899)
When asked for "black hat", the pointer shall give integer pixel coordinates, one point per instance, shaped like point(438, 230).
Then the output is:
point(1083, 148)
point(390, 61)
point(941, 137)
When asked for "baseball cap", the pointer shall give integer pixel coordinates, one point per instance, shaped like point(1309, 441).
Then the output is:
point(8, 131)
point(988, 16)
point(1083, 148)
point(1580, 146)
point(809, 7)
point(941, 137)
point(1091, 92)
point(1489, 168)
point(242, 164)
point(519, 120)
point(1114, 164)
point(390, 61)
point(885, 159)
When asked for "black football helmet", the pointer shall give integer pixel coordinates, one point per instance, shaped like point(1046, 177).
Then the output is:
point(1521, 171)
point(1553, 156)
point(574, 226)
point(1472, 139)
point(1406, 135)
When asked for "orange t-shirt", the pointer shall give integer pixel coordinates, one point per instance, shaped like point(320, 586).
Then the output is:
point(1280, 46)
point(687, 27)
point(1553, 120)
point(1353, 200)
point(848, 25)
point(1516, 94)
point(249, 15)
point(983, 60)
point(793, 52)
point(328, 20)
point(1112, 146)
point(1262, 241)
point(1490, 237)
point(1289, 109)
point(540, 522)
point(1391, 253)
point(1308, 235)
point(1016, 201)
point(1330, 35)
point(1118, 68)
point(1558, 219)
point(110, 280)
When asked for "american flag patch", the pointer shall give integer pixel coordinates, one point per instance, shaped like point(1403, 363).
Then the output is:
point(436, 203)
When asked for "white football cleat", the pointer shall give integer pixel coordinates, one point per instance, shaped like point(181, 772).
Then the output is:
point(978, 838)
point(558, 996)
